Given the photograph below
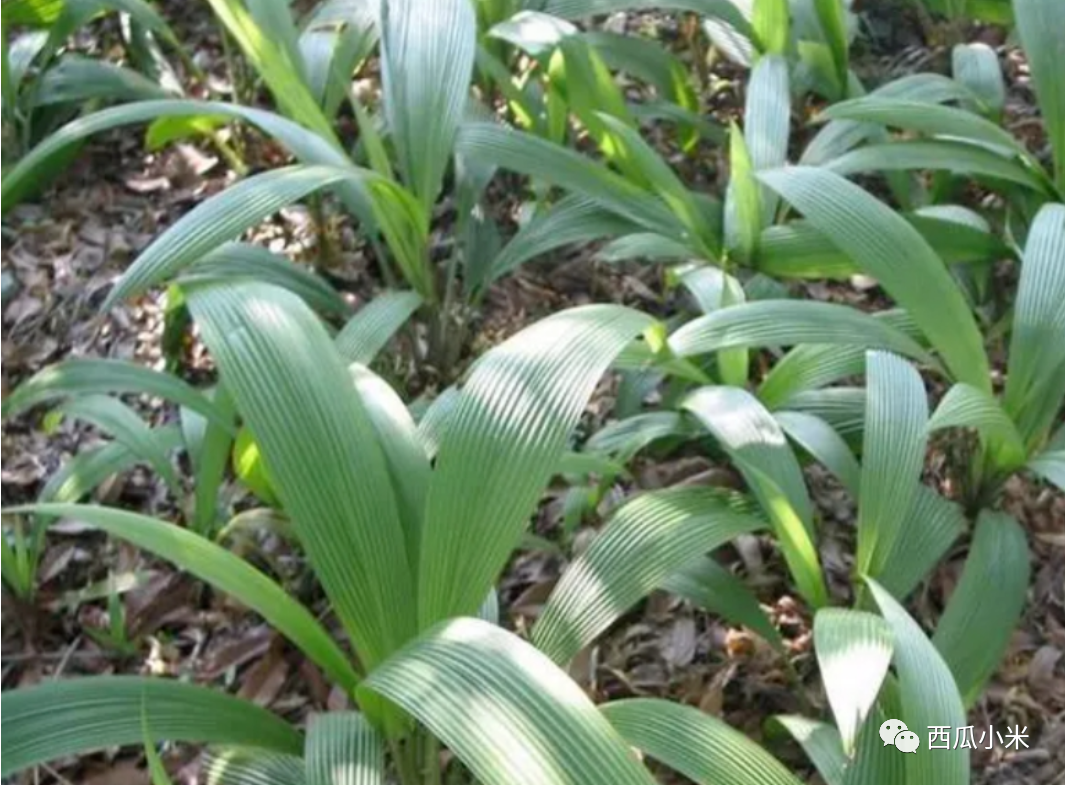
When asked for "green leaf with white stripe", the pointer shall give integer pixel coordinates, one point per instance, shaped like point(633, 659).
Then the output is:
point(70, 716)
point(343, 749)
point(222, 570)
point(928, 694)
point(503, 442)
point(504, 709)
point(890, 250)
point(758, 447)
point(975, 629)
point(704, 749)
point(245, 766)
point(647, 540)
point(854, 653)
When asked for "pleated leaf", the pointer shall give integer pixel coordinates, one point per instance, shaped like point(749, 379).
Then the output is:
point(825, 445)
point(244, 766)
point(649, 539)
point(887, 248)
point(893, 453)
point(758, 447)
point(1036, 348)
point(975, 629)
point(709, 585)
point(1038, 25)
point(72, 716)
point(370, 330)
point(821, 743)
point(502, 443)
point(508, 712)
point(788, 323)
point(427, 54)
point(118, 420)
point(929, 696)
point(966, 407)
point(854, 653)
point(222, 570)
point(977, 67)
point(82, 377)
point(702, 748)
point(74, 79)
point(241, 260)
point(321, 451)
point(343, 749)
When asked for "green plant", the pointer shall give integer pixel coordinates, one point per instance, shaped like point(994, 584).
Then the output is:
point(45, 83)
point(407, 527)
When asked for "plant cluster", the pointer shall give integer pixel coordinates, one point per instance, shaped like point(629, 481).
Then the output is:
point(407, 514)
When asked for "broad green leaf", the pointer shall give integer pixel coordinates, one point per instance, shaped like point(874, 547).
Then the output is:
point(928, 693)
point(722, 9)
point(703, 748)
point(1039, 23)
point(886, 247)
point(893, 452)
point(841, 407)
point(821, 743)
point(645, 247)
point(648, 61)
point(88, 469)
point(276, 59)
point(246, 766)
point(966, 407)
point(208, 447)
point(32, 12)
point(649, 539)
point(825, 445)
point(574, 219)
point(961, 158)
point(771, 20)
point(974, 631)
point(80, 377)
point(408, 464)
point(75, 79)
point(709, 585)
point(223, 218)
point(924, 536)
point(831, 14)
point(508, 712)
point(1036, 348)
point(373, 326)
point(222, 570)
point(756, 444)
point(767, 121)
point(118, 420)
point(241, 260)
point(810, 366)
point(1050, 465)
point(344, 749)
point(501, 445)
point(624, 438)
point(854, 653)
point(789, 322)
point(71, 716)
point(930, 119)
point(321, 450)
point(543, 160)
point(25, 177)
point(427, 54)
point(715, 290)
point(743, 200)
point(977, 67)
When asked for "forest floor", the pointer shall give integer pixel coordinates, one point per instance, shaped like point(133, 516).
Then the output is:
point(67, 250)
